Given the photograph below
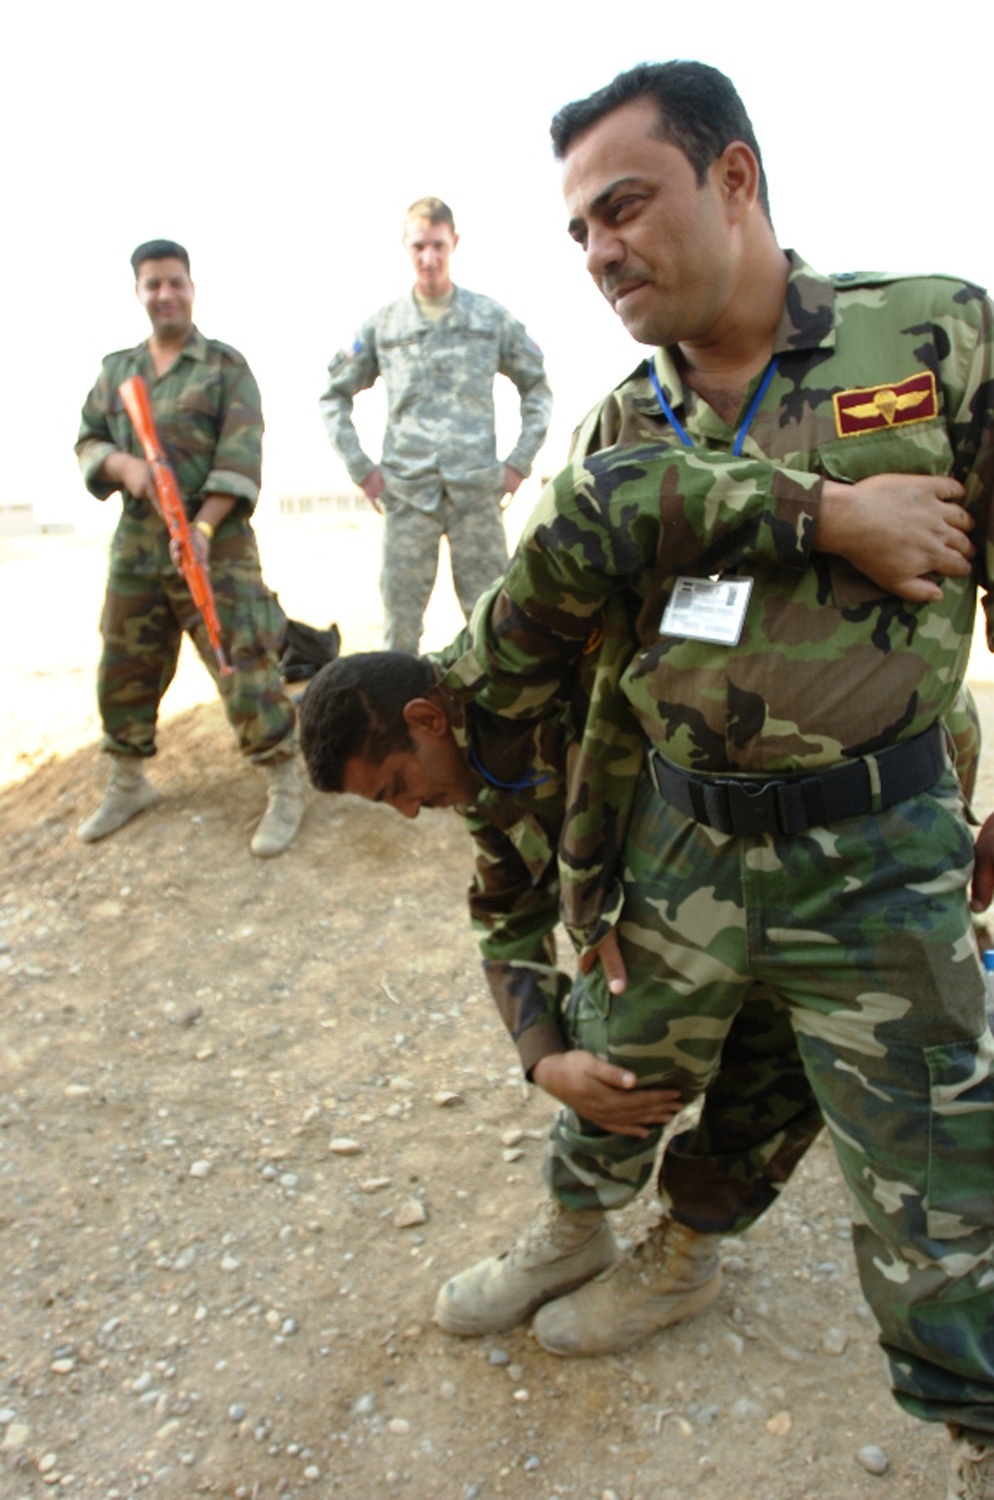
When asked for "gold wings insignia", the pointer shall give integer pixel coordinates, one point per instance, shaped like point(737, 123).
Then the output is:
point(887, 404)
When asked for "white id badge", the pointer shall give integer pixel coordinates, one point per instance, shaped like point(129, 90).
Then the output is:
point(707, 609)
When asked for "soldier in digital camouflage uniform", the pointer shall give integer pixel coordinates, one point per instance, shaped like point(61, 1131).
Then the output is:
point(207, 412)
point(438, 349)
point(801, 837)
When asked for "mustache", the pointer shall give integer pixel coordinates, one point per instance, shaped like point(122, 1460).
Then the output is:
point(614, 285)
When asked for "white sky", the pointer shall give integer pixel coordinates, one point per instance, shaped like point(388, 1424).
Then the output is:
point(281, 143)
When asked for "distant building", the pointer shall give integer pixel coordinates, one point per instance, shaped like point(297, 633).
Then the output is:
point(343, 503)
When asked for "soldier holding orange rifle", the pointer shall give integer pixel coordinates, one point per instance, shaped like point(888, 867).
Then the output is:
point(206, 409)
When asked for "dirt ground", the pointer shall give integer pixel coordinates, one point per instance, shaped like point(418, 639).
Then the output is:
point(253, 1113)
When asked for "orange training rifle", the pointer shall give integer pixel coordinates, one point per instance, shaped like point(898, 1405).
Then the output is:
point(134, 394)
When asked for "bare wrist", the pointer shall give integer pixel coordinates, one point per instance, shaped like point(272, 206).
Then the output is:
point(833, 513)
point(545, 1068)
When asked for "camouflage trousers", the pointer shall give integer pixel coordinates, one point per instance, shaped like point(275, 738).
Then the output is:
point(760, 1113)
point(963, 738)
point(477, 549)
point(147, 608)
point(859, 935)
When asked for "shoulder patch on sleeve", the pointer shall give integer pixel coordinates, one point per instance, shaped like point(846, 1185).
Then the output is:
point(350, 350)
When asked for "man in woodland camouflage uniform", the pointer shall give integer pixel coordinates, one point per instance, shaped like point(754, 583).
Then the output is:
point(206, 407)
point(405, 730)
point(799, 839)
point(438, 349)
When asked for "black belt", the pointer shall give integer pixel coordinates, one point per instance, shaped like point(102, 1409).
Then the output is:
point(794, 803)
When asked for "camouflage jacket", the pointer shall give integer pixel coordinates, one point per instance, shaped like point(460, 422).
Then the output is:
point(439, 381)
point(515, 822)
point(875, 374)
point(208, 415)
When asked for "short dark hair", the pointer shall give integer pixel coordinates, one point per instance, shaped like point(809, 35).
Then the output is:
point(699, 110)
point(159, 250)
point(432, 209)
point(355, 706)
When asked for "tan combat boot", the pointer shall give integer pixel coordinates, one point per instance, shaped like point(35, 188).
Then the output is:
point(128, 793)
point(284, 808)
point(670, 1276)
point(560, 1250)
point(972, 1473)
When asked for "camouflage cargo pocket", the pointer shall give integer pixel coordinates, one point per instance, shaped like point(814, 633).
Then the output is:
point(252, 617)
point(961, 1139)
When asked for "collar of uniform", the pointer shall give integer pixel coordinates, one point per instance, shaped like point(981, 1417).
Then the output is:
point(807, 322)
point(459, 677)
point(455, 708)
point(808, 317)
point(456, 300)
point(457, 680)
point(669, 378)
point(194, 348)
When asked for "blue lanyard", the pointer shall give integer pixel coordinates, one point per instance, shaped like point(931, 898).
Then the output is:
point(531, 780)
point(668, 411)
point(740, 436)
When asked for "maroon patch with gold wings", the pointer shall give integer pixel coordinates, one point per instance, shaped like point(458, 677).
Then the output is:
point(911, 400)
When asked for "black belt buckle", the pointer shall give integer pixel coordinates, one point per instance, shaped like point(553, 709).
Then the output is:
point(753, 809)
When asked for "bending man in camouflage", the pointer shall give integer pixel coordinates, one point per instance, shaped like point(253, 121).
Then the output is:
point(409, 732)
point(801, 836)
point(405, 731)
point(206, 407)
point(439, 349)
